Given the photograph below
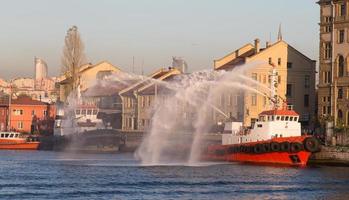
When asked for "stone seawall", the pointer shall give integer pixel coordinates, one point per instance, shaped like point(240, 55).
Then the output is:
point(331, 156)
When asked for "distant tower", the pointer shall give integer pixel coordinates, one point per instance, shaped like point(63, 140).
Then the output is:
point(179, 63)
point(40, 68)
point(279, 33)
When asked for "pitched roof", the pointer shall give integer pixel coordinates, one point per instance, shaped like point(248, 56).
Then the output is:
point(280, 112)
point(25, 100)
point(156, 75)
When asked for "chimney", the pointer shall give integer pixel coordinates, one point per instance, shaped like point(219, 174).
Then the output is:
point(256, 45)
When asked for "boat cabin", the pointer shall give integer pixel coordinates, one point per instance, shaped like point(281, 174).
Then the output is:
point(9, 135)
point(270, 124)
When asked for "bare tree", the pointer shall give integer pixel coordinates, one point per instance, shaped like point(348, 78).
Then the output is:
point(73, 56)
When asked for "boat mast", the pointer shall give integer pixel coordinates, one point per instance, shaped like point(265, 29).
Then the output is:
point(9, 109)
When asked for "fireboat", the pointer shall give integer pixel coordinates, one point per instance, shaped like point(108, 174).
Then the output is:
point(275, 138)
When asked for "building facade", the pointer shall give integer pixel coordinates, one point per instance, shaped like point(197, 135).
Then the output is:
point(295, 81)
point(88, 75)
point(138, 100)
point(333, 88)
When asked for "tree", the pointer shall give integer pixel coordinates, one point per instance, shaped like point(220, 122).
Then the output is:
point(73, 56)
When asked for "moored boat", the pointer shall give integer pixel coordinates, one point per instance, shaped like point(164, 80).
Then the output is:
point(16, 141)
point(274, 138)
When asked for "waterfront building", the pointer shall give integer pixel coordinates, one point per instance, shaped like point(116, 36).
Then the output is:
point(26, 115)
point(138, 100)
point(333, 88)
point(296, 81)
point(88, 75)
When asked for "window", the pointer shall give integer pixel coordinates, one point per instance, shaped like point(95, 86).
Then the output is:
point(265, 79)
point(143, 101)
point(254, 76)
point(306, 100)
point(279, 61)
point(230, 100)
point(342, 9)
point(18, 112)
point(328, 29)
point(77, 112)
point(277, 118)
point(324, 99)
point(270, 61)
point(83, 112)
point(282, 118)
point(222, 99)
point(329, 110)
point(340, 92)
point(328, 50)
point(236, 100)
point(20, 125)
point(102, 74)
point(324, 110)
point(94, 112)
point(340, 114)
point(340, 66)
point(279, 79)
point(289, 90)
point(291, 118)
point(328, 19)
point(254, 99)
point(327, 77)
point(89, 112)
point(289, 65)
point(306, 81)
point(341, 36)
point(45, 112)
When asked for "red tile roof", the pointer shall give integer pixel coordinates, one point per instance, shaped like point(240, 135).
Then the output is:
point(280, 112)
point(25, 100)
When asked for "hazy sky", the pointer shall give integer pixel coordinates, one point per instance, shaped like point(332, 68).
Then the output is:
point(150, 30)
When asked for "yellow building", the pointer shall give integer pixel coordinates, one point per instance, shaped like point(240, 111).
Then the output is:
point(296, 81)
point(333, 92)
point(88, 75)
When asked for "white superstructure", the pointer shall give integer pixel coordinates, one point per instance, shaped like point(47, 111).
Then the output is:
point(83, 118)
point(270, 124)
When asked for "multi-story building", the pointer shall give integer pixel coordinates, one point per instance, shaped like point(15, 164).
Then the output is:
point(138, 99)
point(24, 114)
point(87, 77)
point(333, 88)
point(296, 81)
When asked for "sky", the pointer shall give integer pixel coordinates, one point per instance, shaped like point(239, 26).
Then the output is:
point(151, 31)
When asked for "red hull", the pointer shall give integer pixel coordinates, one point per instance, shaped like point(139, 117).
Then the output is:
point(20, 146)
point(288, 157)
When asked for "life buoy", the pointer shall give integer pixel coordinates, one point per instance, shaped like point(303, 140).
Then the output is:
point(236, 149)
point(285, 146)
point(231, 150)
point(267, 147)
point(274, 146)
point(311, 144)
point(258, 148)
point(296, 147)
